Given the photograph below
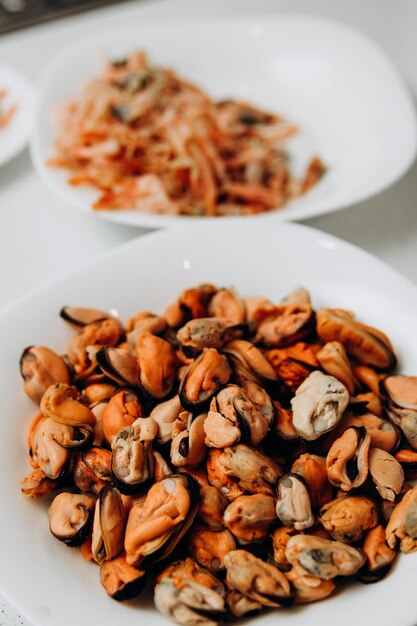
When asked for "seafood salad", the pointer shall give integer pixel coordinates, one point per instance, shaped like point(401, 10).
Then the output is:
point(151, 141)
point(236, 453)
point(6, 113)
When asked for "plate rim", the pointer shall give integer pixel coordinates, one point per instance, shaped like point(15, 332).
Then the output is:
point(157, 233)
point(134, 218)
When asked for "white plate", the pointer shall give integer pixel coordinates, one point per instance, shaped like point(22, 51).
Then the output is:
point(51, 584)
point(14, 136)
point(334, 82)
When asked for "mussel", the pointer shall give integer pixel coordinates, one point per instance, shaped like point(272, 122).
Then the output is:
point(209, 547)
point(294, 505)
point(190, 595)
point(379, 556)
point(250, 518)
point(347, 459)
point(92, 469)
point(318, 405)
point(256, 579)
point(347, 518)
point(256, 472)
point(120, 412)
point(366, 344)
point(70, 517)
point(63, 403)
point(165, 414)
point(323, 558)
point(108, 525)
point(399, 396)
point(233, 418)
point(208, 332)
point(105, 332)
point(203, 379)
point(386, 473)
point(187, 447)
point(155, 527)
point(121, 580)
point(132, 462)
point(157, 365)
point(402, 525)
point(41, 367)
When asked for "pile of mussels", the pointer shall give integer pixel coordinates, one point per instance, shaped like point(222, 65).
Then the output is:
point(240, 454)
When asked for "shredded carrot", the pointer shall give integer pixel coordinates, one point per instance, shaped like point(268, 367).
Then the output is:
point(7, 115)
point(151, 141)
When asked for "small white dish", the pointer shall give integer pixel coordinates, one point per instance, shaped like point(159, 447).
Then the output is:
point(334, 82)
point(14, 136)
point(51, 584)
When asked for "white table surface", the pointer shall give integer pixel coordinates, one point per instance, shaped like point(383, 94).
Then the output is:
point(41, 239)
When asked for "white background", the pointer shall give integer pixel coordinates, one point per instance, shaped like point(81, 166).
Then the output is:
point(41, 239)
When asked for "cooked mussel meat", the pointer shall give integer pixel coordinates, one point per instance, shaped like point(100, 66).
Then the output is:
point(208, 332)
point(46, 449)
point(347, 459)
point(187, 447)
point(347, 518)
point(209, 547)
point(211, 507)
point(41, 367)
point(256, 579)
point(379, 556)
point(105, 332)
point(399, 395)
point(318, 405)
point(82, 316)
point(402, 525)
point(203, 379)
point(334, 360)
point(233, 418)
point(312, 468)
point(308, 588)
point(120, 365)
point(323, 558)
point(386, 473)
point(285, 324)
point(293, 504)
point(190, 595)
point(239, 604)
point(250, 361)
point(92, 469)
point(165, 414)
point(36, 484)
point(250, 518)
point(227, 485)
point(280, 538)
point(132, 462)
point(120, 412)
point(108, 525)
point(157, 365)
point(143, 323)
point(63, 403)
point(227, 304)
point(155, 527)
point(366, 344)
point(70, 516)
point(255, 471)
point(121, 580)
